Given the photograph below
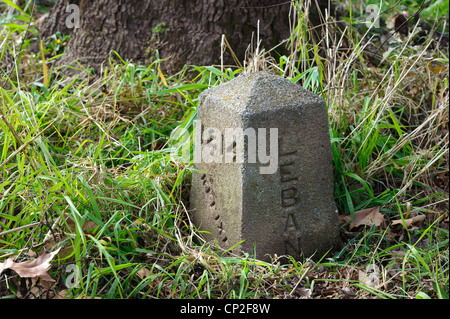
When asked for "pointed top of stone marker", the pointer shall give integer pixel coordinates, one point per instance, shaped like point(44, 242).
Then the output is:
point(261, 91)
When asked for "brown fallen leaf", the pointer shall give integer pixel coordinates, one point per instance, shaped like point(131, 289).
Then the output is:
point(399, 23)
point(344, 219)
point(410, 221)
point(436, 68)
point(88, 227)
point(62, 294)
point(36, 268)
point(143, 273)
point(347, 292)
point(369, 216)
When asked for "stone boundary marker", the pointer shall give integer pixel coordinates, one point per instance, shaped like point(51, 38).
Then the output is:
point(288, 212)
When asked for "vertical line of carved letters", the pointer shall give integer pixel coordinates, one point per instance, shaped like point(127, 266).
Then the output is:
point(207, 182)
point(289, 197)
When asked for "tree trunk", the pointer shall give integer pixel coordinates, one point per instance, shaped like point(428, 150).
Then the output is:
point(183, 31)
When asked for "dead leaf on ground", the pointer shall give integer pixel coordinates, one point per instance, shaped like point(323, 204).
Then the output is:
point(344, 219)
point(348, 292)
point(399, 22)
point(62, 294)
point(143, 273)
point(88, 227)
point(36, 268)
point(410, 221)
point(369, 216)
point(436, 68)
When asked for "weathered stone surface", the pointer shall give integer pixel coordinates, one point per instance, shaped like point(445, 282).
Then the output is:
point(289, 212)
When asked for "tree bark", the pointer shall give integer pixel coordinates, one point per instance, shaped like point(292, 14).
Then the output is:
point(183, 31)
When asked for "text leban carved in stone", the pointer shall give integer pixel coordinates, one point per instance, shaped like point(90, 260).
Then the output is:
point(289, 197)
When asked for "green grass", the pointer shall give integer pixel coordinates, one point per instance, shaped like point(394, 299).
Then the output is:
point(88, 165)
